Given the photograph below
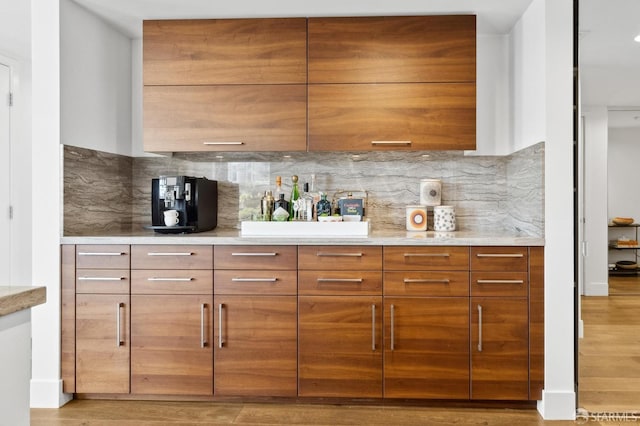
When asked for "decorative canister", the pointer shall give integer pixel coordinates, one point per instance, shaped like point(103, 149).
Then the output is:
point(416, 218)
point(444, 218)
point(430, 192)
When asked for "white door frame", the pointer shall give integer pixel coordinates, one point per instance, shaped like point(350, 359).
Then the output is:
point(5, 172)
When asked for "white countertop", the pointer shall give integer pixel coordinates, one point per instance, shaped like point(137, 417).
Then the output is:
point(385, 237)
point(14, 298)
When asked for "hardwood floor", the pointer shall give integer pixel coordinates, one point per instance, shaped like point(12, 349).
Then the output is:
point(152, 413)
point(620, 286)
point(609, 361)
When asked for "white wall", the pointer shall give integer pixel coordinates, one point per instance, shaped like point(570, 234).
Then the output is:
point(624, 156)
point(595, 195)
point(528, 75)
point(95, 82)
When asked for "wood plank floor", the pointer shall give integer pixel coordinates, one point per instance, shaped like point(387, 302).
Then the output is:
point(609, 361)
point(153, 413)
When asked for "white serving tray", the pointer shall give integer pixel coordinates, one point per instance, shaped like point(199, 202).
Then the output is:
point(304, 229)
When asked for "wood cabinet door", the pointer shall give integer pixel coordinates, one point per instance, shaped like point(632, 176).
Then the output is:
point(499, 348)
point(426, 352)
point(378, 117)
point(102, 343)
point(225, 51)
point(392, 49)
point(255, 346)
point(171, 344)
point(339, 346)
point(225, 118)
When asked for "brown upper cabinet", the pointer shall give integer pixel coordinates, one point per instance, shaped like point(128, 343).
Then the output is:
point(225, 51)
point(406, 49)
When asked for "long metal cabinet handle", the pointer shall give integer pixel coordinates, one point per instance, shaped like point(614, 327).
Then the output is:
point(224, 143)
point(169, 279)
point(426, 281)
point(339, 280)
point(220, 341)
point(254, 280)
point(119, 307)
point(203, 341)
point(391, 142)
point(500, 281)
point(427, 255)
point(326, 254)
point(373, 327)
point(82, 253)
point(499, 255)
point(393, 343)
point(479, 328)
point(100, 278)
point(255, 254)
point(186, 253)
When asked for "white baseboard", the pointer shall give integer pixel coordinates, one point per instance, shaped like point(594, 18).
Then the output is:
point(596, 289)
point(48, 394)
point(557, 405)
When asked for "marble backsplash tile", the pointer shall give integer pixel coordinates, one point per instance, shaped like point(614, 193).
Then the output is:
point(489, 193)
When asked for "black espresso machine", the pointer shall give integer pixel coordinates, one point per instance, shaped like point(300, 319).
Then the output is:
point(195, 199)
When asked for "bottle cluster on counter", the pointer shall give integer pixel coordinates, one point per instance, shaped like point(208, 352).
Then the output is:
point(308, 205)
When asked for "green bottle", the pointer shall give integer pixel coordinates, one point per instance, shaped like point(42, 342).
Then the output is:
point(294, 214)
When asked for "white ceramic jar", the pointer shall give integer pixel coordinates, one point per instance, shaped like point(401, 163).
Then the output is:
point(444, 218)
point(416, 218)
point(430, 192)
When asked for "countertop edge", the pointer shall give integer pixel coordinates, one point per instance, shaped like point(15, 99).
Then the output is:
point(18, 298)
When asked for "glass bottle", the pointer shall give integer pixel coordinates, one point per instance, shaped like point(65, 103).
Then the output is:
point(279, 196)
point(307, 213)
point(295, 195)
point(268, 204)
point(323, 208)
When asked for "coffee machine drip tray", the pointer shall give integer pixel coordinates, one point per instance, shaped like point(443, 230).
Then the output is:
point(171, 229)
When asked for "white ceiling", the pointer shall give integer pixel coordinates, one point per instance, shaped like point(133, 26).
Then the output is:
point(493, 16)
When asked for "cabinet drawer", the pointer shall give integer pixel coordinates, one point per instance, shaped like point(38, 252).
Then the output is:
point(418, 283)
point(255, 282)
point(499, 258)
point(510, 284)
point(420, 258)
point(339, 282)
point(171, 257)
point(102, 281)
point(255, 257)
point(102, 256)
point(335, 258)
point(190, 281)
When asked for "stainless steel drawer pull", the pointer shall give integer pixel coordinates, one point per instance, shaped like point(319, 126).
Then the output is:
point(427, 255)
point(220, 340)
point(391, 142)
point(373, 327)
point(82, 253)
point(169, 279)
point(170, 254)
point(339, 280)
point(101, 278)
point(119, 307)
point(500, 255)
point(255, 254)
point(426, 281)
point(203, 341)
point(325, 254)
point(393, 339)
point(479, 328)
point(224, 143)
point(500, 281)
point(254, 280)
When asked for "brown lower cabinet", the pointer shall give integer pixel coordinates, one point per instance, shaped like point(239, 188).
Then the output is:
point(102, 343)
point(340, 346)
point(499, 348)
point(426, 351)
point(171, 344)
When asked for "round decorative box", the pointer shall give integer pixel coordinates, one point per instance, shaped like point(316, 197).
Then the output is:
point(444, 218)
point(430, 192)
point(416, 218)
